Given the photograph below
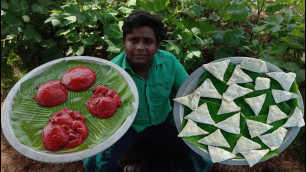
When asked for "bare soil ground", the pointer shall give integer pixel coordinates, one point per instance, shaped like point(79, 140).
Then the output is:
point(12, 161)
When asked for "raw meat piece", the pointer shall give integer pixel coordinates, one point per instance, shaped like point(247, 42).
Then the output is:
point(51, 93)
point(79, 78)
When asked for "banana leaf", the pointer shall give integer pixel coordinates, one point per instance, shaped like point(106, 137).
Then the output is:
point(29, 118)
point(246, 111)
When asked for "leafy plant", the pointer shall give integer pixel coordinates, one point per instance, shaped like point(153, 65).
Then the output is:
point(198, 31)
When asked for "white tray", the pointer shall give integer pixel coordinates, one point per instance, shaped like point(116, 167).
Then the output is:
point(50, 157)
point(191, 84)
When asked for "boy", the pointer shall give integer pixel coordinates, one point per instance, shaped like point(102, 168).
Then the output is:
point(156, 73)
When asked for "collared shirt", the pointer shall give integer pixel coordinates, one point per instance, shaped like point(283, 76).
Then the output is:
point(165, 74)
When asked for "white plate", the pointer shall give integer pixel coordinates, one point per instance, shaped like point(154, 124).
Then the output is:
point(191, 84)
point(50, 157)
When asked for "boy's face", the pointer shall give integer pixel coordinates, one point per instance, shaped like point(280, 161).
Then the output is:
point(141, 45)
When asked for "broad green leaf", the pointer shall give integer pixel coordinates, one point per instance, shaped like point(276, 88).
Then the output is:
point(196, 9)
point(90, 40)
point(189, 22)
point(7, 29)
point(294, 42)
point(179, 24)
point(288, 11)
point(273, 59)
point(206, 27)
point(62, 32)
point(71, 19)
point(214, 17)
point(80, 18)
point(274, 8)
point(109, 15)
point(55, 22)
point(74, 37)
point(11, 20)
point(91, 18)
point(26, 112)
point(80, 51)
point(18, 6)
point(71, 8)
point(113, 31)
point(217, 4)
point(277, 48)
point(155, 6)
point(196, 31)
point(172, 45)
point(274, 20)
point(218, 36)
point(297, 33)
point(126, 10)
point(70, 51)
point(273, 28)
point(258, 29)
point(131, 2)
point(238, 13)
point(113, 48)
point(233, 37)
point(208, 42)
point(187, 37)
point(290, 66)
point(199, 40)
point(196, 53)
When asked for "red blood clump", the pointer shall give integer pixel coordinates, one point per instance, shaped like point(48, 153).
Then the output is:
point(104, 102)
point(79, 78)
point(66, 128)
point(54, 137)
point(51, 93)
point(103, 91)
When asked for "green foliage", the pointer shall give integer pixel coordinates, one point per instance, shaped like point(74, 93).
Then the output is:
point(198, 31)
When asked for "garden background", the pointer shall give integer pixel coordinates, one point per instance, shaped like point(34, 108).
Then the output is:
point(34, 32)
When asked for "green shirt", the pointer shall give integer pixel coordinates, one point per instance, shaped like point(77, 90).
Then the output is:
point(165, 74)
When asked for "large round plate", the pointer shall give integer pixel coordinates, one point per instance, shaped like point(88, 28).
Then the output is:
point(50, 157)
point(191, 84)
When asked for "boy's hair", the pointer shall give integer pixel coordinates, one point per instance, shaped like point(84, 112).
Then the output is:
point(142, 18)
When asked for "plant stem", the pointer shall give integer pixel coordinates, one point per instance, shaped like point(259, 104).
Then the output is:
point(259, 9)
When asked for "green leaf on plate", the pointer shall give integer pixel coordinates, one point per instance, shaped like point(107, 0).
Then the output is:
point(246, 111)
point(29, 118)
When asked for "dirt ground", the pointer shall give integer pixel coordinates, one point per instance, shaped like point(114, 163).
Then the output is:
point(12, 161)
